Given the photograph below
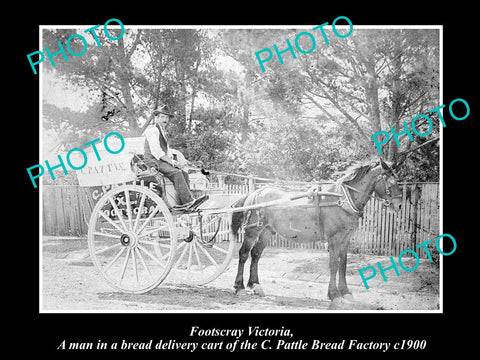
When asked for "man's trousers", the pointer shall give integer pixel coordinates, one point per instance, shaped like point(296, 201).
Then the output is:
point(178, 177)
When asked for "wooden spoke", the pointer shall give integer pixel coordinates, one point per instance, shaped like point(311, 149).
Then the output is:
point(154, 212)
point(114, 259)
point(129, 208)
point(110, 231)
point(135, 272)
point(165, 256)
point(218, 248)
point(181, 245)
point(197, 257)
point(142, 261)
point(111, 222)
point(212, 260)
point(124, 267)
point(154, 243)
point(139, 214)
point(181, 256)
point(108, 248)
point(118, 213)
point(189, 262)
point(140, 247)
point(110, 235)
point(151, 231)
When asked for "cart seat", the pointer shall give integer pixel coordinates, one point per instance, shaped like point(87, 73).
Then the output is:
point(151, 177)
point(144, 169)
point(152, 174)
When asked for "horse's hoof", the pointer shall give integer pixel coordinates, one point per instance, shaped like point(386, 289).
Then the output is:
point(337, 300)
point(335, 303)
point(348, 297)
point(258, 290)
point(241, 292)
point(332, 295)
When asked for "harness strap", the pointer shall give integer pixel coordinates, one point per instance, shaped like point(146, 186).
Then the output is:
point(349, 199)
point(258, 212)
point(386, 202)
point(317, 204)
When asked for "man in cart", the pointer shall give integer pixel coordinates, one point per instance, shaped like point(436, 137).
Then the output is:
point(157, 152)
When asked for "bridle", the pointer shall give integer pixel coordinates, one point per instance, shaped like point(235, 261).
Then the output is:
point(385, 202)
point(388, 191)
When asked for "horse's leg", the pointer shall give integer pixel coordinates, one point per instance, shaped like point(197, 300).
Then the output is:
point(250, 237)
point(342, 271)
point(333, 251)
point(256, 252)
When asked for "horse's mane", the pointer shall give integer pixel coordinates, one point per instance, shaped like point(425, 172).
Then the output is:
point(356, 171)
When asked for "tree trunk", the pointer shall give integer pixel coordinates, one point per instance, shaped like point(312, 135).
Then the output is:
point(130, 114)
point(181, 98)
point(194, 95)
point(397, 99)
point(124, 76)
point(245, 126)
point(371, 92)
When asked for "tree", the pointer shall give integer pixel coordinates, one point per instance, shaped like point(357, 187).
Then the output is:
point(304, 119)
point(131, 76)
point(365, 83)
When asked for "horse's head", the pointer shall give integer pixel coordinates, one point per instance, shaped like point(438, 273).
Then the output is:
point(386, 186)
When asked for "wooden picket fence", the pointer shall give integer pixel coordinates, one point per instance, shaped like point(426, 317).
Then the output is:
point(66, 211)
point(383, 232)
point(67, 208)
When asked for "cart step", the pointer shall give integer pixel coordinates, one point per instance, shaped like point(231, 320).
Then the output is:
point(191, 207)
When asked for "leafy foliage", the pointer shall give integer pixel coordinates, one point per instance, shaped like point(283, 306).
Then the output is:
point(306, 119)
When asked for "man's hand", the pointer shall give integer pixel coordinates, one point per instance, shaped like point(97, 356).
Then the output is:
point(171, 161)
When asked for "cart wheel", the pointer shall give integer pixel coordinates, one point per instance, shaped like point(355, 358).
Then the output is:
point(199, 261)
point(128, 227)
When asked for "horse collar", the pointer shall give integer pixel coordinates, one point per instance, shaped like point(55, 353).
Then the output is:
point(350, 202)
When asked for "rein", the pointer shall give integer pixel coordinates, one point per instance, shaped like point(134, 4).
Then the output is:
point(258, 209)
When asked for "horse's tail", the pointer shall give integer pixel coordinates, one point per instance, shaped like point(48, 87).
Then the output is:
point(237, 216)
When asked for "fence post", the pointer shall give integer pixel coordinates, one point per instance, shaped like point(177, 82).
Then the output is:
point(251, 183)
point(221, 181)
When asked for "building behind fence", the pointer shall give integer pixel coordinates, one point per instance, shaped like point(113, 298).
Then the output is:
point(66, 211)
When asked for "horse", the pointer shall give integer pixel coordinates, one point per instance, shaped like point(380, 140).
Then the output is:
point(331, 215)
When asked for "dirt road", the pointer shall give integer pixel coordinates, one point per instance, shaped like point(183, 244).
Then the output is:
point(293, 280)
